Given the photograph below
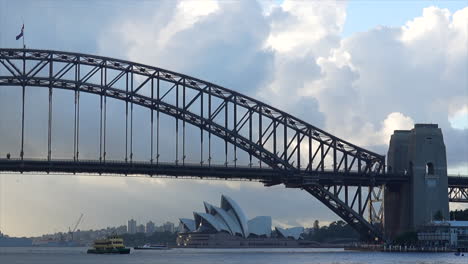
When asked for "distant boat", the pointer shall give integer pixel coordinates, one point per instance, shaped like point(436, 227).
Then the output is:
point(110, 245)
point(152, 247)
point(459, 253)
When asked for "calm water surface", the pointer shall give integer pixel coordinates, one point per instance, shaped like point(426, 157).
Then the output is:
point(212, 256)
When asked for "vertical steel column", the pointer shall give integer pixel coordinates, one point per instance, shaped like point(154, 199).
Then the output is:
point(177, 127)
point(260, 131)
point(250, 137)
point(285, 139)
point(75, 117)
point(298, 150)
point(274, 139)
point(209, 130)
point(346, 195)
point(309, 161)
point(49, 130)
point(183, 124)
point(100, 117)
point(105, 113)
point(157, 120)
point(225, 126)
point(334, 156)
point(346, 162)
point(126, 116)
point(78, 73)
point(322, 156)
point(131, 117)
point(359, 161)
point(22, 105)
point(152, 119)
point(235, 129)
point(201, 127)
point(359, 199)
point(370, 205)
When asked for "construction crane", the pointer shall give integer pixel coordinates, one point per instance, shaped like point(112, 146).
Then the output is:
point(76, 226)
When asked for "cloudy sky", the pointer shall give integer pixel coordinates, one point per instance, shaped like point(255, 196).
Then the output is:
point(358, 69)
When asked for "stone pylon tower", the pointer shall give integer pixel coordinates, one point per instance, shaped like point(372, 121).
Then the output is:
point(420, 155)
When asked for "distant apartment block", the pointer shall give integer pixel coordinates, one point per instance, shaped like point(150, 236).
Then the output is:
point(168, 227)
point(150, 227)
point(132, 226)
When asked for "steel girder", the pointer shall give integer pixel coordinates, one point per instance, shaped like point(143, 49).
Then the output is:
point(458, 188)
point(458, 194)
point(282, 142)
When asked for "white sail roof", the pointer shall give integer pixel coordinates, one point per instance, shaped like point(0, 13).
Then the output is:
point(233, 209)
point(188, 224)
point(260, 226)
point(207, 207)
point(204, 218)
point(231, 222)
point(293, 232)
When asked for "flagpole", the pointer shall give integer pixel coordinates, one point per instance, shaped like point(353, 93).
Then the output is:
point(24, 46)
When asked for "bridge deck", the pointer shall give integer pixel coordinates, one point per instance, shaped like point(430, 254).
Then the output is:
point(266, 175)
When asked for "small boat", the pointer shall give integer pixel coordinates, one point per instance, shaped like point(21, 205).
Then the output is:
point(110, 245)
point(152, 247)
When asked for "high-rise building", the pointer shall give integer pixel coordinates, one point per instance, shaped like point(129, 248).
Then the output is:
point(132, 226)
point(150, 228)
point(168, 227)
point(140, 229)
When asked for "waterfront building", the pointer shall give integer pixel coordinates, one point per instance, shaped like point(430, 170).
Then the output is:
point(168, 227)
point(150, 228)
point(225, 240)
point(445, 233)
point(132, 226)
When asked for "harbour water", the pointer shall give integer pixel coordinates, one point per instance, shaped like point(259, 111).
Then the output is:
point(225, 256)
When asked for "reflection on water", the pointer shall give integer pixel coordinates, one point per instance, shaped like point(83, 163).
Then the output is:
point(228, 256)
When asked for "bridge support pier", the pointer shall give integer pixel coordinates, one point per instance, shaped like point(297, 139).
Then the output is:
point(420, 154)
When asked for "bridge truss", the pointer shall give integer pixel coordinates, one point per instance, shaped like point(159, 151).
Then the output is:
point(458, 189)
point(258, 141)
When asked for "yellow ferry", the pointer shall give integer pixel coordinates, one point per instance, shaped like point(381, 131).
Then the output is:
point(110, 245)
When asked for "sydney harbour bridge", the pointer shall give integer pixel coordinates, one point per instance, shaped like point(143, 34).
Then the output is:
point(217, 133)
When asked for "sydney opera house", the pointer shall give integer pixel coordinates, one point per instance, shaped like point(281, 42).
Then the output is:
point(227, 226)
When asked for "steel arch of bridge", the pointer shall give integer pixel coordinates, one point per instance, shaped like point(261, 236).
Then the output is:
point(246, 124)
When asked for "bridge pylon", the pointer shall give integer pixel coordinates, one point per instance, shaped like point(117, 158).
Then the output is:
point(420, 154)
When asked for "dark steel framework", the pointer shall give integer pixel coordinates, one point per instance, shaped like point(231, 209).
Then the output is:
point(458, 194)
point(458, 189)
point(346, 178)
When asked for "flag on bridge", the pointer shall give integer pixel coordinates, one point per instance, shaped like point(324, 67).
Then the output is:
point(20, 35)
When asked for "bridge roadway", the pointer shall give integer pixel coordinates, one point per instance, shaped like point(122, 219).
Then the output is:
point(268, 176)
